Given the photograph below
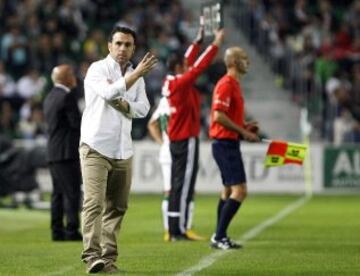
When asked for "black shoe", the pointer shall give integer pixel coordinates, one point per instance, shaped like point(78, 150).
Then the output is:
point(74, 237)
point(224, 244)
point(58, 234)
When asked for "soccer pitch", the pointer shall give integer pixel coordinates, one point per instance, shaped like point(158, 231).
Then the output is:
point(282, 234)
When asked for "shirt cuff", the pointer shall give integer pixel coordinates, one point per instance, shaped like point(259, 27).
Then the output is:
point(130, 113)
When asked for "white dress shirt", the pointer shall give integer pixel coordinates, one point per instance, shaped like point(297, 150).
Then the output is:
point(103, 127)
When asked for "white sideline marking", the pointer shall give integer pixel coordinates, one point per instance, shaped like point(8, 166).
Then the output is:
point(253, 232)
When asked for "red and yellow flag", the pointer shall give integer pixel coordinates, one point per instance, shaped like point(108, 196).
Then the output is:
point(281, 153)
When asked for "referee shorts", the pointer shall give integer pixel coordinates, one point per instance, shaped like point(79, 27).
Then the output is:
point(228, 157)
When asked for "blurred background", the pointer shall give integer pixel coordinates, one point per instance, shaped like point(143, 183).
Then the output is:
point(305, 59)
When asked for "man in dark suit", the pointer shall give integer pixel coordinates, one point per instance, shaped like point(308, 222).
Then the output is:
point(63, 118)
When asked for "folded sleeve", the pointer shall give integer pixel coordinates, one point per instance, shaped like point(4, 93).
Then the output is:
point(139, 107)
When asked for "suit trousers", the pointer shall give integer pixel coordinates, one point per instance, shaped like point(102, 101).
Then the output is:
point(106, 191)
point(65, 198)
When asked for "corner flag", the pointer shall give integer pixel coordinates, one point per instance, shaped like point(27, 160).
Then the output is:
point(281, 153)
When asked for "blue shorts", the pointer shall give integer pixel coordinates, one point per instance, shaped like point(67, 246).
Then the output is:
point(229, 160)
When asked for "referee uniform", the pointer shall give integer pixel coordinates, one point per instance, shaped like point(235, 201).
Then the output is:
point(226, 145)
point(227, 100)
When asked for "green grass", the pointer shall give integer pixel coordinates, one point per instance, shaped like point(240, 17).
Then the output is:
point(320, 238)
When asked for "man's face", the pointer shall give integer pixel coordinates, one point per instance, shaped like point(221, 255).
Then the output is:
point(122, 47)
point(242, 62)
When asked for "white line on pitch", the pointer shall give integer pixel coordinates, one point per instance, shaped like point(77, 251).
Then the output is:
point(252, 233)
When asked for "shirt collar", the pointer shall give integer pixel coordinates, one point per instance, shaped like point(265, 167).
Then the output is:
point(67, 89)
point(116, 65)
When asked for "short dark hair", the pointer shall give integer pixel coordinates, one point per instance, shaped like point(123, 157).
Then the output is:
point(122, 29)
point(174, 59)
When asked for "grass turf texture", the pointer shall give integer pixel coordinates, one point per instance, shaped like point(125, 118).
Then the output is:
point(320, 238)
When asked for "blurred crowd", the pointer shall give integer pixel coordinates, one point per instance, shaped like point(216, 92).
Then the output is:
point(36, 35)
point(313, 47)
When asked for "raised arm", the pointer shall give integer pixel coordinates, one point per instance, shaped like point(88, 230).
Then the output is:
point(205, 58)
point(145, 65)
point(193, 50)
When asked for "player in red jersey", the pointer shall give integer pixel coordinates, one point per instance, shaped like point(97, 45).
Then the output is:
point(184, 129)
point(227, 128)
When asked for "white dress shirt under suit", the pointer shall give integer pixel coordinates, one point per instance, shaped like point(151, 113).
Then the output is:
point(103, 128)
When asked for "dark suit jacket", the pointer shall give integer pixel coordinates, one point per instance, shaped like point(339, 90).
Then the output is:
point(63, 120)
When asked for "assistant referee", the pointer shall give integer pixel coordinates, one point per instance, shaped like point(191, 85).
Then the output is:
point(227, 128)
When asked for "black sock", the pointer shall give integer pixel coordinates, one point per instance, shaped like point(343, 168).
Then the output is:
point(228, 211)
point(219, 209)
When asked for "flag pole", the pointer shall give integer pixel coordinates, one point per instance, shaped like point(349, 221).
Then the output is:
point(306, 130)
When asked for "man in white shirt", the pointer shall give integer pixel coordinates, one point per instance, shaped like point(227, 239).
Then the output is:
point(114, 94)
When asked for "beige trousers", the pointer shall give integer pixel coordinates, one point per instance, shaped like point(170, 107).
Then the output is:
point(106, 191)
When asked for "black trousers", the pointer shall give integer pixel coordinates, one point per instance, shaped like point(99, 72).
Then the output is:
point(184, 168)
point(65, 198)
